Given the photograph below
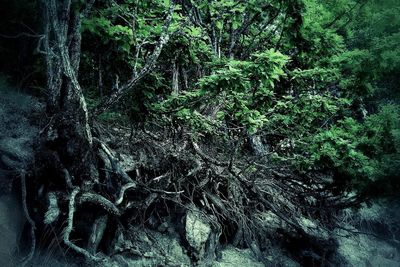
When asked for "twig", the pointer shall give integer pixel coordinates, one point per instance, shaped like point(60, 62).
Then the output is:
point(158, 178)
point(165, 192)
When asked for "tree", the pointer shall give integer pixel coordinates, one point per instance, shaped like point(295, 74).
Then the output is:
point(71, 153)
point(255, 111)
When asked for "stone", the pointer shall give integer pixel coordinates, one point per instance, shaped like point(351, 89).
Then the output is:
point(150, 248)
point(365, 250)
point(377, 244)
point(232, 256)
point(276, 257)
point(197, 231)
point(313, 228)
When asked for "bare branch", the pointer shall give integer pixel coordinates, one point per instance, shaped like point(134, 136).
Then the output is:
point(341, 15)
point(88, 8)
point(149, 66)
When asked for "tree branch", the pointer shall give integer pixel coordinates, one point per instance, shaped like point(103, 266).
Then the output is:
point(149, 66)
point(341, 15)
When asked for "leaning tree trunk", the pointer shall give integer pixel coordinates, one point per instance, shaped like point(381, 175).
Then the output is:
point(69, 158)
point(74, 169)
point(68, 135)
point(76, 175)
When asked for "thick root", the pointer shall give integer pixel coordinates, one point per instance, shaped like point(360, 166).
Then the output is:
point(29, 257)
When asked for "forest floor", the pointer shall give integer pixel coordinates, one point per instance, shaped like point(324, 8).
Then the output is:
point(368, 237)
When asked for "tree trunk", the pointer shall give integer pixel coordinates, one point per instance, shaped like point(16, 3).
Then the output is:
point(185, 78)
point(175, 78)
point(68, 157)
point(73, 168)
point(69, 133)
point(100, 77)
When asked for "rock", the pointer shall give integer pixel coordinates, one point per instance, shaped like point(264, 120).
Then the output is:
point(197, 231)
point(150, 248)
point(232, 256)
point(15, 155)
point(364, 250)
point(8, 163)
point(378, 245)
point(163, 227)
point(257, 145)
point(271, 222)
point(313, 228)
point(275, 257)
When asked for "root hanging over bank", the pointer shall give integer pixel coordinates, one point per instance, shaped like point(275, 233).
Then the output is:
point(28, 257)
point(156, 180)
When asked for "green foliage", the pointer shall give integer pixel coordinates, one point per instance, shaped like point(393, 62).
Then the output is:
point(305, 114)
point(337, 148)
point(371, 63)
point(360, 152)
point(295, 73)
point(321, 41)
point(356, 79)
point(242, 90)
point(298, 74)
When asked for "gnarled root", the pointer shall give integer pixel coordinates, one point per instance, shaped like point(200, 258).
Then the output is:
point(29, 257)
point(68, 229)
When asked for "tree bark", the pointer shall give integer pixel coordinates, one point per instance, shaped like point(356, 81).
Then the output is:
point(72, 162)
point(69, 131)
point(136, 77)
point(100, 77)
point(175, 78)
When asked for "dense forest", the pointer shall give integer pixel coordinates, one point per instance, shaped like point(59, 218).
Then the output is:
point(200, 132)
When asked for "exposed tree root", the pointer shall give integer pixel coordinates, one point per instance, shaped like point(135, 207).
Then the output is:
point(29, 257)
point(122, 192)
point(69, 227)
point(99, 201)
point(246, 202)
point(97, 233)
